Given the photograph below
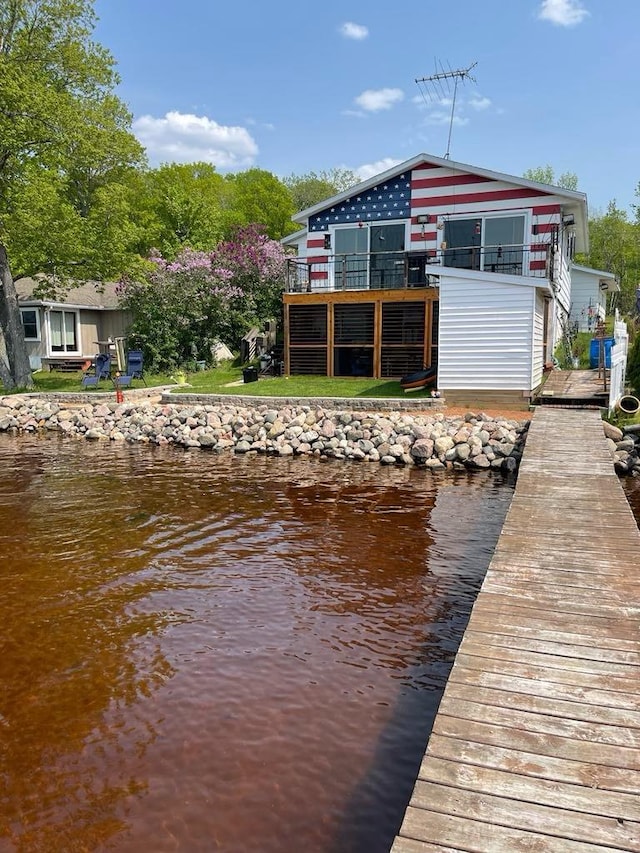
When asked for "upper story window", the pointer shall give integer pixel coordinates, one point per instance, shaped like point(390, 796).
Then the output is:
point(370, 256)
point(489, 243)
point(30, 323)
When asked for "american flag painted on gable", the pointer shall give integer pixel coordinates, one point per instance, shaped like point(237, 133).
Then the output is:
point(390, 200)
point(427, 195)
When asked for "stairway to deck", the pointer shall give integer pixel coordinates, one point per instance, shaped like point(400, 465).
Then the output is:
point(536, 744)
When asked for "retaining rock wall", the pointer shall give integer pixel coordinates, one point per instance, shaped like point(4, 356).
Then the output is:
point(433, 441)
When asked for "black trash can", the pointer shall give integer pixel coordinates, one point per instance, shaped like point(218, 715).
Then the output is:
point(250, 374)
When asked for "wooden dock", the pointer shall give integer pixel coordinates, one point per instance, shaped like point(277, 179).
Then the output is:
point(536, 744)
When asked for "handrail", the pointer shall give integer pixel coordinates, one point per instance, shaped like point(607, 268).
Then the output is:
point(401, 269)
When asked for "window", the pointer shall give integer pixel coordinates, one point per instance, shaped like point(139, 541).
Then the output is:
point(63, 329)
point(490, 243)
point(369, 256)
point(30, 323)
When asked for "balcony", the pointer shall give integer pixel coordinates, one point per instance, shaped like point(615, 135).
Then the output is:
point(397, 270)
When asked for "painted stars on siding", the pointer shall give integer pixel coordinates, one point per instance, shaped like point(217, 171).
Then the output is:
point(391, 200)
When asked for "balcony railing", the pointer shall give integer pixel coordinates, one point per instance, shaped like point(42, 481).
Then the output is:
point(387, 270)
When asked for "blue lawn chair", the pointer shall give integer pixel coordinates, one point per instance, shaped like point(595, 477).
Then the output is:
point(135, 361)
point(101, 370)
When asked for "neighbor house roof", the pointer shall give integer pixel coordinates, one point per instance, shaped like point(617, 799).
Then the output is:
point(608, 278)
point(574, 201)
point(97, 295)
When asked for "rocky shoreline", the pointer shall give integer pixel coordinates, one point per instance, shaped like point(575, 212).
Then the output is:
point(433, 441)
point(624, 445)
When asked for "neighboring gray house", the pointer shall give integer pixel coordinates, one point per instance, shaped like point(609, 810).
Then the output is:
point(589, 289)
point(68, 329)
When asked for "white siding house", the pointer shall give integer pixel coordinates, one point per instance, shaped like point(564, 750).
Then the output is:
point(430, 262)
point(589, 290)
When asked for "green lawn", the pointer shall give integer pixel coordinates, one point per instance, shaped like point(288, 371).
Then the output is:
point(228, 379)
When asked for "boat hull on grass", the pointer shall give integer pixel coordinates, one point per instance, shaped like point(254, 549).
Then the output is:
point(419, 379)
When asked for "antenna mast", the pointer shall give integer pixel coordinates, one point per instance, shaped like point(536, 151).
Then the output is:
point(441, 85)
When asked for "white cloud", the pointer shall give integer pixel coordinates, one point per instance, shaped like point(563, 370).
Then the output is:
point(374, 100)
point(439, 117)
point(186, 138)
point(354, 31)
point(368, 170)
point(479, 103)
point(564, 13)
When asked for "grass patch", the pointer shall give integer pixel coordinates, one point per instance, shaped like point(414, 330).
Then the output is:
point(228, 379)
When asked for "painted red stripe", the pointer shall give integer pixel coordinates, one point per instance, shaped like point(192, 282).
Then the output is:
point(537, 265)
point(426, 166)
point(539, 247)
point(473, 198)
point(449, 181)
point(316, 259)
point(545, 209)
point(315, 276)
point(544, 227)
point(314, 243)
point(417, 236)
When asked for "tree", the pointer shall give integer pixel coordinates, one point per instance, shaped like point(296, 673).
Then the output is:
point(259, 198)
point(186, 205)
point(62, 133)
point(187, 304)
point(314, 187)
point(614, 246)
point(546, 175)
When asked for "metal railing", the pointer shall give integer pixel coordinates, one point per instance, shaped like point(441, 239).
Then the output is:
point(386, 270)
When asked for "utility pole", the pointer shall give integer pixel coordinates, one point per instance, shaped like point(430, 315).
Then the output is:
point(441, 81)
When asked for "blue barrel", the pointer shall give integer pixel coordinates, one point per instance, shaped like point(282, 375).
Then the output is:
point(594, 352)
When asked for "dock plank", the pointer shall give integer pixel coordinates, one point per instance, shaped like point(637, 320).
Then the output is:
point(536, 744)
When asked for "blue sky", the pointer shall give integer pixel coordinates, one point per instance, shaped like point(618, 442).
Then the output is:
point(293, 87)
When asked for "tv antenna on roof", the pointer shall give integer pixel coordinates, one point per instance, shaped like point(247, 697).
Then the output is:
point(438, 87)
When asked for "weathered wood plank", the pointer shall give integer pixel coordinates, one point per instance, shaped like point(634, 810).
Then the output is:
point(531, 764)
point(534, 643)
point(625, 718)
point(474, 835)
point(546, 724)
point(543, 687)
point(521, 787)
point(532, 817)
point(539, 743)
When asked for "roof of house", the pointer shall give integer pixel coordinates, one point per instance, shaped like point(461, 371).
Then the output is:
point(575, 202)
point(603, 276)
point(96, 295)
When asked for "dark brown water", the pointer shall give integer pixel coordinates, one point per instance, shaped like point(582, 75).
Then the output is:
point(203, 652)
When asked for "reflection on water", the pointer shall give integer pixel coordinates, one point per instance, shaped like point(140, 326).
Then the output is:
point(206, 652)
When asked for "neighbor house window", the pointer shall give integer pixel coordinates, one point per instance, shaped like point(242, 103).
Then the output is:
point(30, 323)
point(489, 243)
point(63, 326)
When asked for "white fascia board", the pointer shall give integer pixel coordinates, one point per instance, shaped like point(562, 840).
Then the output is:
point(490, 277)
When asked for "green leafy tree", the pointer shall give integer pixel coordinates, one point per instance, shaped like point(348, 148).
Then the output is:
point(614, 246)
point(314, 187)
point(64, 134)
point(546, 175)
point(186, 205)
point(259, 198)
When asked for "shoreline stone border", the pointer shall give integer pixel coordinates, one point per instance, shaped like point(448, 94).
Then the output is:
point(367, 430)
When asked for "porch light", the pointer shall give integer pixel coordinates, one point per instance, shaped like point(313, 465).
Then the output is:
point(423, 219)
point(569, 219)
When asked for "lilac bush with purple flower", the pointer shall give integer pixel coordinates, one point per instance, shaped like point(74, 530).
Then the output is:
point(187, 304)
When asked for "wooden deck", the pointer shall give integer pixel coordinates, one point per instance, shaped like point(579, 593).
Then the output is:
point(575, 388)
point(536, 744)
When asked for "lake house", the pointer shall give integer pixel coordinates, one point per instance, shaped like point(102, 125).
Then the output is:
point(435, 263)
